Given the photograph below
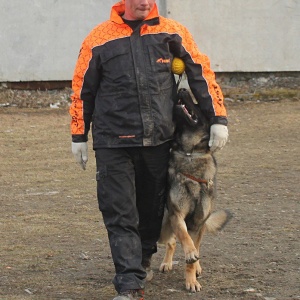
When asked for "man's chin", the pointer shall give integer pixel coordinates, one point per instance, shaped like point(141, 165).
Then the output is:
point(142, 15)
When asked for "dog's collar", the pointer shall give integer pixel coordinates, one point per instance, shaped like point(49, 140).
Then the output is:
point(188, 154)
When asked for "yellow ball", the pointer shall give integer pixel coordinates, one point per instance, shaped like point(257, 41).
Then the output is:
point(178, 66)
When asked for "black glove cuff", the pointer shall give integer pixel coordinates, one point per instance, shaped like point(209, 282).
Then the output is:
point(79, 138)
point(218, 120)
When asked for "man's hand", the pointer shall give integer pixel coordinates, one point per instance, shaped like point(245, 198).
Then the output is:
point(218, 137)
point(80, 151)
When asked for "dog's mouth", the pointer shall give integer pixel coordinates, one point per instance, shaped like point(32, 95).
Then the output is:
point(188, 112)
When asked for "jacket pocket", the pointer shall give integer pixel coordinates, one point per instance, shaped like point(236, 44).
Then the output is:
point(116, 62)
point(161, 59)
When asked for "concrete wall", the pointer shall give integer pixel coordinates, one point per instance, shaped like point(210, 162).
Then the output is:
point(240, 35)
point(40, 39)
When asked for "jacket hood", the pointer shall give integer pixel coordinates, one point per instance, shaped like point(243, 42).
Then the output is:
point(119, 8)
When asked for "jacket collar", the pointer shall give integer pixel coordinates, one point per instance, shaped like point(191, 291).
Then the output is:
point(119, 8)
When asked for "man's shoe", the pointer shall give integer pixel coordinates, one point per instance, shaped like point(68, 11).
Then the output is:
point(131, 295)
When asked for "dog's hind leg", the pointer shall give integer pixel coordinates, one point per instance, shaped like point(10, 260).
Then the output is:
point(198, 268)
point(167, 263)
point(167, 238)
point(166, 232)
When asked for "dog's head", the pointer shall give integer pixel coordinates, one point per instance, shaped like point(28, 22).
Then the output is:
point(192, 130)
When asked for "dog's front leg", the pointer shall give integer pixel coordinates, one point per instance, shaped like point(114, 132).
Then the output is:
point(197, 238)
point(194, 270)
point(180, 230)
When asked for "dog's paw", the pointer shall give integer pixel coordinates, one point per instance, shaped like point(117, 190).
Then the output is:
point(191, 283)
point(198, 268)
point(191, 257)
point(193, 286)
point(165, 267)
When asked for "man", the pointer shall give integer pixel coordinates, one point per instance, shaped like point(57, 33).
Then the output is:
point(123, 84)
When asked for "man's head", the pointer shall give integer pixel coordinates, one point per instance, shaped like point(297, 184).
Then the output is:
point(137, 9)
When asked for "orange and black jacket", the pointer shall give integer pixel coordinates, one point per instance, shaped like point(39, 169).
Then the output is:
point(124, 86)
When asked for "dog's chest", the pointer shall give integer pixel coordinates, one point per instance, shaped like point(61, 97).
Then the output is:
point(196, 165)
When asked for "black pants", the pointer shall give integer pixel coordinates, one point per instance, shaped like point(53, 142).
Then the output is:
point(131, 188)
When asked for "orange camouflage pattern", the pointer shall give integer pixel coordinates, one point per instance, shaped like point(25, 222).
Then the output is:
point(95, 38)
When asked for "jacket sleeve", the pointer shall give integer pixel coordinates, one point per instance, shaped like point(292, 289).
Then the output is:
point(85, 83)
point(202, 80)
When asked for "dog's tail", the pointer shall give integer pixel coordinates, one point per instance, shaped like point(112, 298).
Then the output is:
point(217, 220)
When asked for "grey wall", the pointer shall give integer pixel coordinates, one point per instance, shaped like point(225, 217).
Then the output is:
point(40, 39)
point(240, 35)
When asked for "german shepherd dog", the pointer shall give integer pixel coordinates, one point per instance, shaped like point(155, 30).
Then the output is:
point(192, 173)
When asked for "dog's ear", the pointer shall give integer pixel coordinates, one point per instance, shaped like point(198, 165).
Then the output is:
point(186, 112)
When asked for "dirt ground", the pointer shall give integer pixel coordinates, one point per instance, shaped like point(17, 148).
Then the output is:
point(54, 245)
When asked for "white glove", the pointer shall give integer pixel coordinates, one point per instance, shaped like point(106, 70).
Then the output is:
point(218, 137)
point(80, 151)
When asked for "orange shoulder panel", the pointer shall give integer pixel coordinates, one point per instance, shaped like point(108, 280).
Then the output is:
point(173, 27)
point(100, 35)
point(208, 74)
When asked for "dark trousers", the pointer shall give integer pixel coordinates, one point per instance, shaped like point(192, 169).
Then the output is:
point(132, 188)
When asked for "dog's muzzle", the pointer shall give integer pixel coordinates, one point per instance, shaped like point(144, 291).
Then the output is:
point(182, 115)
